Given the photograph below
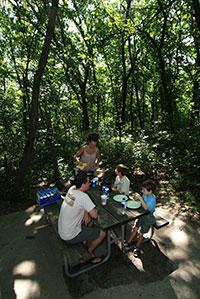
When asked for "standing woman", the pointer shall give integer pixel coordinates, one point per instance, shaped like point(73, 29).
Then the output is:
point(88, 156)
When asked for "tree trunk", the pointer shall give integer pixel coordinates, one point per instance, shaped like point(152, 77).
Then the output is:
point(138, 108)
point(196, 84)
point(124, 84)
point(52, 149)
point(86, 123)
point(28, 149)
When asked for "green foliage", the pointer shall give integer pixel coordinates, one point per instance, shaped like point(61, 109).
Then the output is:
point(130, 150)
point(104, 59)
point(189, 197)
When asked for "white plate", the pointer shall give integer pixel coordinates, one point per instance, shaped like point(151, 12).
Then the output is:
point(133, 204)
point(119, 197)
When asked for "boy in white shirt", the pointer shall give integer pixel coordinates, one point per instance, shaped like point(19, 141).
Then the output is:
point(122, 183)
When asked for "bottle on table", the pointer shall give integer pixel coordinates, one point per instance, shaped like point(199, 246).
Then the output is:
point(94, 182)
point(106, 191)
point(123, 206)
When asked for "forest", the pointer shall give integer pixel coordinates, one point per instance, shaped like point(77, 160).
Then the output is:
point(128, 69)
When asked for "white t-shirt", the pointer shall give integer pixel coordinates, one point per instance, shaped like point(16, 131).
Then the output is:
point(122, 185)
point(70, 217)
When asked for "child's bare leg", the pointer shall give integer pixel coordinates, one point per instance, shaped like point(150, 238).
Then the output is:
point(140, 238)
point(133, 234)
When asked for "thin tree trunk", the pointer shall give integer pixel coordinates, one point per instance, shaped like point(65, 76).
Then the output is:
point(86, 123)
point(52, 149)
point(196, 84)
point(28, 149)
point(124, 84)
point(138, 108)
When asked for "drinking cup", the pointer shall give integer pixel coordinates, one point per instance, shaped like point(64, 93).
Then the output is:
point(103, 199)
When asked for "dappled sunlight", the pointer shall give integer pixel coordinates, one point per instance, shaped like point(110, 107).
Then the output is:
point(26, 289)
point(31, 209)
point(25, 268)
point(190, 270)
point(136, 262)
point(33, 219)
point(179, 237)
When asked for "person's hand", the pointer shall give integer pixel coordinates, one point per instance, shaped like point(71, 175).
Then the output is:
point(113, 187)
point(136, 196)
point(82, 164)
point(96, 166)
point(86, 218)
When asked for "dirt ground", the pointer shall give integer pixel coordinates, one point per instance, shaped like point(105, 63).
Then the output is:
point(31, 263)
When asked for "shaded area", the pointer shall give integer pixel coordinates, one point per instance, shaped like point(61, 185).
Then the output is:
point(30, 259)
point(31, 264)
point(121, 270)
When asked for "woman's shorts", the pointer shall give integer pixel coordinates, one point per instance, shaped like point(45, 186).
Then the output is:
point(145, 222)
point(86, 234)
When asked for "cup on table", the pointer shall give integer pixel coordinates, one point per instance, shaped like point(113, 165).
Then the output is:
point(103, 199)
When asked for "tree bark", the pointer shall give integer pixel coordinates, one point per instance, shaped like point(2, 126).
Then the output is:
point(196, 83)
point(124, 83)
point(28, 149)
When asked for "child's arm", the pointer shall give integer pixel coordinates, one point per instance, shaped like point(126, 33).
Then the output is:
point(116, 186)
point(137, 196)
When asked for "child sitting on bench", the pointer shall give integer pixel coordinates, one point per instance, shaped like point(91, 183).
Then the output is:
point(122, 183)
point(143, 223)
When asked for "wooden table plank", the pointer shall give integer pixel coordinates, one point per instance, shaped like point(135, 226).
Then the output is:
point(106, 219)
point(114, 208)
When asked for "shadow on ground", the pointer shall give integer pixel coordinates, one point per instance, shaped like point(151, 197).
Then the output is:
point(122, 270)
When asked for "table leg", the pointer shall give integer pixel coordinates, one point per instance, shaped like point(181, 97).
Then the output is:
point(123, 236)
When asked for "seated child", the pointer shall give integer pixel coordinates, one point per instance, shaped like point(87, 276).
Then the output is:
point(143, 223)
point(122, 183)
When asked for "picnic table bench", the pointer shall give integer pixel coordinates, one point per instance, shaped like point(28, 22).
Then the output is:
point(76, 258)
point(160, 223)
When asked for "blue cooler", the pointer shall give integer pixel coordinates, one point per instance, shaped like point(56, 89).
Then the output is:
point(47, 196)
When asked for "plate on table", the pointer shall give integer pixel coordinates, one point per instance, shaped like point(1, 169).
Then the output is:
point(133, 204)
point(119, 197)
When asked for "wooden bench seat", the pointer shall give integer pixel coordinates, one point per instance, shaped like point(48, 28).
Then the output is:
point(160, 222)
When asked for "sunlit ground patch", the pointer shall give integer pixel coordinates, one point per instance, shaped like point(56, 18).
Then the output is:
point(25, 287)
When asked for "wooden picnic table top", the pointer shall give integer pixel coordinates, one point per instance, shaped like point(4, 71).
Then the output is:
point(114, 209)
point(109, 215)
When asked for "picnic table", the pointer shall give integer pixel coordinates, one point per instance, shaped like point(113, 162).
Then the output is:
point(112, 209)
point(76, 258)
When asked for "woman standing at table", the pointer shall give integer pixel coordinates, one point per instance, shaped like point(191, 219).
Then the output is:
point(88, 156)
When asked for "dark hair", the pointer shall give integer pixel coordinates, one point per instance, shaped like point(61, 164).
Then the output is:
point(81, 178)
point(122, 168)
point(92, 137)
point(149, 185)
